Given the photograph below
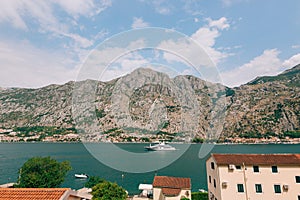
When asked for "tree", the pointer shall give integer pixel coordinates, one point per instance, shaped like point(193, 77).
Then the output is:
point(199, 195)
point(108, 191)
point(93, 180)
point(42, 172)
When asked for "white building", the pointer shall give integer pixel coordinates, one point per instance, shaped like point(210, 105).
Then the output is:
point(253, 176)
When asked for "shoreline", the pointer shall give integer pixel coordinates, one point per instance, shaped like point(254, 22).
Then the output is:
point(70, 142)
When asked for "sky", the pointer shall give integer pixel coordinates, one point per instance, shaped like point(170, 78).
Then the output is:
point(48, 42)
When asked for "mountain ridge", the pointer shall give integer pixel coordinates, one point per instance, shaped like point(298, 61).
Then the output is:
point(266, 105)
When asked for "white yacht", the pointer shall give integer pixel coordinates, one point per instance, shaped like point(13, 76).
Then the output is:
point(160, 146)
point(84, 176)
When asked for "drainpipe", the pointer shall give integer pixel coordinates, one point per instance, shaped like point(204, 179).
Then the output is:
point(245, 181)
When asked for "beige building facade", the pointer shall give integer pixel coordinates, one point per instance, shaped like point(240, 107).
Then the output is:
point(253, 176)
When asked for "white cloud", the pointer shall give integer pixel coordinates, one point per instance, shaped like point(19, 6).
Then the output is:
point(83, 7)
point(79, 40)
point(23, 65)
point(20, 11)
point(163, 7)
point(124, 65)
point(139, 23)
point(193, 7)
point(296, 46)
point(221, 23)
point(231, 2)
point(267, 64)
point(11, 13)
point(16, 11)
point(163, 10)
point(206, 36)
point(109, 62)
point(292, 61)
point(23, 12)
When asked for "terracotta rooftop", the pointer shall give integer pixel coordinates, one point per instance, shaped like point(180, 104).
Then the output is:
point(32, 193)
point(263, 159)
point(170, 191)
point(172, 182)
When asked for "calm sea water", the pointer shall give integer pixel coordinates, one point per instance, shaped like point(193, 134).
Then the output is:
point(13, 155)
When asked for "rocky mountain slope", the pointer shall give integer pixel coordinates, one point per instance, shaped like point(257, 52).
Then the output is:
point(266, 105)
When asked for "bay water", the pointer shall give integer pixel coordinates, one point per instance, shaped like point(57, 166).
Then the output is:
point(13, 155)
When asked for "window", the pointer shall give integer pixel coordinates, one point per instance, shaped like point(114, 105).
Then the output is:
point(277, 188)
point(238, 167)
point(215, 185)
point(297, 179)
point(209, 179)
point(274, 169)
point(258, 188)
point(240, 187)
point(212, 165)
point(255, 169)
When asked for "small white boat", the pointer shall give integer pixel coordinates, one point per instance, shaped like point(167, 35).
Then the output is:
point(81, 176)
point(160, 146)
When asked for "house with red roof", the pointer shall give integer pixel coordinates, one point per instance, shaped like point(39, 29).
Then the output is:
point(253, 176)
point(171, 188)
point(42, 194)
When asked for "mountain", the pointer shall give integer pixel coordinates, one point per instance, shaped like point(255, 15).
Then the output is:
point(289, 77)
point(265, 106)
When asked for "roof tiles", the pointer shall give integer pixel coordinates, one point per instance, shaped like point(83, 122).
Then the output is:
point(263, 159)
point(172, 182)
point(32, 193)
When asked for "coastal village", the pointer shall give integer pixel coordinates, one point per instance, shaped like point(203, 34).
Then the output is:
point(9, 135)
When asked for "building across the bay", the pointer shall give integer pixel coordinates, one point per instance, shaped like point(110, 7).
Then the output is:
point(253, 176)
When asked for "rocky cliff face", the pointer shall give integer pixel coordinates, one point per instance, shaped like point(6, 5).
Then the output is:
point(263, 106)
point(266, 105)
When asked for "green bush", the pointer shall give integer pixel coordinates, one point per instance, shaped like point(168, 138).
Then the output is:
point(93, 180)
point(199, 196)
point(108, 191)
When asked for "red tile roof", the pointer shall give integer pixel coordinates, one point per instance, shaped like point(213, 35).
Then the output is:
point(170, 191)
point(172, 182)
point(263, 159)
point(32, 193)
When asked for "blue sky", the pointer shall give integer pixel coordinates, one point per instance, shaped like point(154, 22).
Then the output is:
point(45, 42)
